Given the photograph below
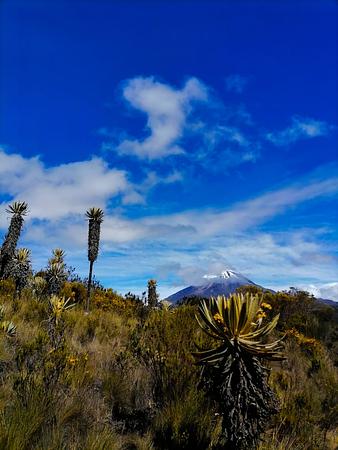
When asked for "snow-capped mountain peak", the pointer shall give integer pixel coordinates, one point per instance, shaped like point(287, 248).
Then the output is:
point(224, 284)
point(228, 274)
point(225, 274)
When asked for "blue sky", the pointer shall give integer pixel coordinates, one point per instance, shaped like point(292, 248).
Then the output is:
point(206, 130)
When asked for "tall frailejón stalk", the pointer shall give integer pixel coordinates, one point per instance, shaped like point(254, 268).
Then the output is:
point(95, 218)
point(18, 210)
point(152, 294)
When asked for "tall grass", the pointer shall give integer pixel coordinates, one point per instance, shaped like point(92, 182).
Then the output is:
point(123, 378)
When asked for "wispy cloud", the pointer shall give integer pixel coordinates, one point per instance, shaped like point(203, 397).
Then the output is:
point(167, 109)
point(236, 83)
point(300, 128)
point(225, 133)
point(153, 179)
point(243, 215)
point(222, 147)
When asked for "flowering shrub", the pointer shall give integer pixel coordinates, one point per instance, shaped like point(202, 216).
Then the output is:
point(75, 290)
point(303, 340)
point(108, 299)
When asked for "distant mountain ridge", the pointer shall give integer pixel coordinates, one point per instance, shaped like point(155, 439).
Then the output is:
point(326, 301)
point(224, 284)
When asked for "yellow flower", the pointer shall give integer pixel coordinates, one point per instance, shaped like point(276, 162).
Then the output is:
point(302, 340)
point(72, 360)
point(266, 305)
point(261, 314)
point(218, 318)
point(293, 332)
point(311, 342)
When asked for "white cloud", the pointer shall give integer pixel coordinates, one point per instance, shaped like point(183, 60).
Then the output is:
point(300, 128)
point(236, 83)
point(67, 189)
point(265, 258)
point(189, 122)
point(193, 226)
point(167, 110)
point(180, 247)
point(275, 260)
point(326, 290)
point(54, 193)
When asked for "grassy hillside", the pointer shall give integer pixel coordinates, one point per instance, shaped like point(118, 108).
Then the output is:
point(123, 376)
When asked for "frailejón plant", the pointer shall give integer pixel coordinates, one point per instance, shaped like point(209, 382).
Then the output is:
point(58, 256)
point(19, 268)
point(6, 326)
point(56, 272)
point(232, 372)
point(57, 308)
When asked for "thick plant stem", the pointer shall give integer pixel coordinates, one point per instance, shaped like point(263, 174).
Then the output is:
point(91, 263)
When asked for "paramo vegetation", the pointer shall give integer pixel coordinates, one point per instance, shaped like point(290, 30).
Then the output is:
point(82, 367)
